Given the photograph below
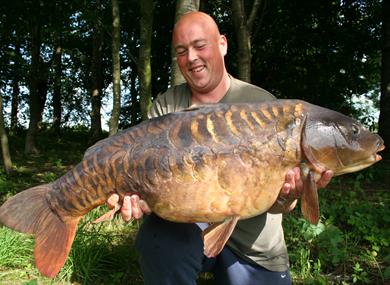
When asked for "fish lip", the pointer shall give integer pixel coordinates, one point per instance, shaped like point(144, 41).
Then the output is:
point(376, 155)
point(359, 165)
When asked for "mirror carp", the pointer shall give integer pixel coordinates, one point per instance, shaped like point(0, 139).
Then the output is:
point(214, 163)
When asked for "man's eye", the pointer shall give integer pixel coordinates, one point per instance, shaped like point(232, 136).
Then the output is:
point(181, 52)
point(200, 46)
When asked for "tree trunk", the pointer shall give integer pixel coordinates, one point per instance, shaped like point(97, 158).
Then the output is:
point(116, 69)
point(97, 77)
point(30, 147)
point(15, 92)
point(182, 7)
point(4, 141)
point(43, 84)
point(384, 118)
point(144, 66)
point(135, 105)
point(57, 107)
point(243, 27)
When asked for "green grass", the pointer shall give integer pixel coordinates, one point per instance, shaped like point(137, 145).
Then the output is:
point(101, 254)
point(349, 246)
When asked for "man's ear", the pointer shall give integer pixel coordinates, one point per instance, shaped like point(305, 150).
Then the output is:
point(223, 45)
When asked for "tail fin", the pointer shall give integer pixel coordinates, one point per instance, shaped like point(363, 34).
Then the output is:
point(29, 212)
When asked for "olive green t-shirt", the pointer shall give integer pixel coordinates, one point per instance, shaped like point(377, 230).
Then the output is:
point(259, 239)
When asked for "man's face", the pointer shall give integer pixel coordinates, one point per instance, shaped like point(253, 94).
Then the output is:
point(200, 54)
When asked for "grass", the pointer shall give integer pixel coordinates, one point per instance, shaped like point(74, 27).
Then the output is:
point(349, 246)
point(101, 254)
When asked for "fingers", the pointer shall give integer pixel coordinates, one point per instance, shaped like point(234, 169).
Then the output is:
point(112, 201)
point(144, 207)
point(293, 184)
point(325, 179)
point(136, 210)
point(132, 206)
point(289, 182)
point(126, 210)
point(285, 189)
point(290, 192)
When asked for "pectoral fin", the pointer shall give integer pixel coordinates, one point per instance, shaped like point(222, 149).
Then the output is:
point(109, 215)
point(216, 236)
point(309, 202)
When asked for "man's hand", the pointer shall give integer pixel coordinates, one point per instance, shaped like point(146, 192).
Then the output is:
point(132, 206)
point(292, 190)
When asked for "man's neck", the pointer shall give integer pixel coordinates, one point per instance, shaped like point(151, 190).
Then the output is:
point(213, 96)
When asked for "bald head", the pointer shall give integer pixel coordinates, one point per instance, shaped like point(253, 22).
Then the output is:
point(200, 51)
point(191, 19)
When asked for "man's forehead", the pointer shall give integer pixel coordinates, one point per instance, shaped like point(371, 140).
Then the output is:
point(191, 33)
point(190, 43)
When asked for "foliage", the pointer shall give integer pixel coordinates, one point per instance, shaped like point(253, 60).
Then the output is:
point(325, 58)
point(351, 243)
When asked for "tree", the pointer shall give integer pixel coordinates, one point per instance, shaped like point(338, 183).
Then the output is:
point(4, 141)
point(144, 66)
point(243, 26)
point(116, 68)
point(96, 74)
point(384, 118)
point(325, 57)
point(182, 7)
point(30, 147)
point(57, 104)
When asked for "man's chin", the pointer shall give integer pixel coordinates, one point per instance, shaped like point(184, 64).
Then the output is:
point(198, 83)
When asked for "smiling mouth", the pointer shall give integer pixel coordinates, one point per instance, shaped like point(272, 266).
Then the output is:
point(197, 68)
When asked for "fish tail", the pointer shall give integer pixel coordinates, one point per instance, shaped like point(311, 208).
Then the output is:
point(29, 212)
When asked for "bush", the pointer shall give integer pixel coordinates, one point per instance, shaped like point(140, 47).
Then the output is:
point(351, 242)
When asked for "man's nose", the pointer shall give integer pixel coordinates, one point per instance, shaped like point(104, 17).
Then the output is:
point(192, 54)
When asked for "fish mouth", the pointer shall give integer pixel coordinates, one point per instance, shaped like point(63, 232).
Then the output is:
point(374, 158)
point(358, 166)
point(377, 156)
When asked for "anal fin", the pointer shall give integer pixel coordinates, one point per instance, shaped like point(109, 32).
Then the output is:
point(309, 201)
point(216, 236)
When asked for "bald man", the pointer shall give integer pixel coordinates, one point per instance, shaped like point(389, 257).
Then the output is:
point(172, 253)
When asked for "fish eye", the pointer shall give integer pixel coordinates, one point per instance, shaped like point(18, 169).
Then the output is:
point(355, 130)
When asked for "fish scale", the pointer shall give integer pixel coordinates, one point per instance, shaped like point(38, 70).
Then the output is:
point(216, 163)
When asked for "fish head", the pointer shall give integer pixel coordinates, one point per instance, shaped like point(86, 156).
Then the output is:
point(331, 140)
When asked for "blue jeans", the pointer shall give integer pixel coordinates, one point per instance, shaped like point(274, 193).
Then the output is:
point(172, 254)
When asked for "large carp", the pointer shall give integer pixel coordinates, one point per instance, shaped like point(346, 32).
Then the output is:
point(216, 163)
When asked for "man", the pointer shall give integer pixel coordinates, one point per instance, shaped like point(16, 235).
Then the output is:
point(172, 253)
